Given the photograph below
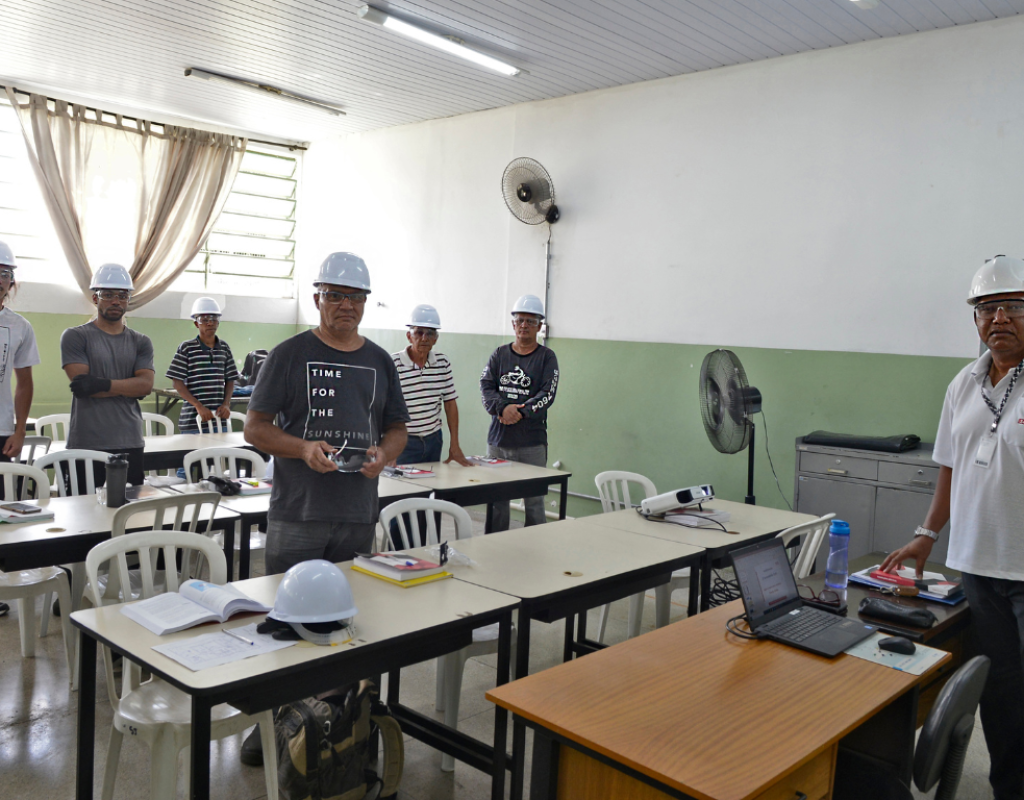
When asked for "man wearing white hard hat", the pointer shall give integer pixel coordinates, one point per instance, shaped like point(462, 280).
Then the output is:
point(428, 387)
point(110, 367)
point(518, 387)
point(340, 417)
point(203, 370)
point(980, 492)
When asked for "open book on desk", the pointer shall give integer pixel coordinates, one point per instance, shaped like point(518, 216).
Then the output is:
point(194, 603)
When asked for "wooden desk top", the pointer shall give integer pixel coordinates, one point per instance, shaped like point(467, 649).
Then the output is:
point(745, 522)
point(384, 612)
point(559, 556)
point(701, 711)
point(456, 476)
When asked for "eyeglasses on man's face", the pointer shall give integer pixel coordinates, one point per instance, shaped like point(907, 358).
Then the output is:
point(207, 319)
point(1014, 309)
point(113, 294)
point(335, 298)
point(525, 322)
point(423, 333)
point(7, 274)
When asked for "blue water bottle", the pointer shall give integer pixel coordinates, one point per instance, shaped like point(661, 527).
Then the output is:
point(837, 571)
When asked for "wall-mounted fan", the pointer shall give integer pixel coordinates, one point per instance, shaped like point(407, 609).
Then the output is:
point(727, 407)
point(529, 194)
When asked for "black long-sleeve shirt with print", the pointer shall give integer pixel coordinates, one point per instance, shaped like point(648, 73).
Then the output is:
point(530, 381)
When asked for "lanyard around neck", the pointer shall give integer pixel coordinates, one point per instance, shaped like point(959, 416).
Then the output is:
point(998, 412)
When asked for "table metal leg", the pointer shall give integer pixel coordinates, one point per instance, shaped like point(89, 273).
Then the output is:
point(695, 573)
point(200, 748)
point(229, 549)
point(518, 727)
point(570, 632)
point(705, 582)
point(563, 501)
point(244, 553)
point(86, 717)
point(501, 714)
point(489, 519)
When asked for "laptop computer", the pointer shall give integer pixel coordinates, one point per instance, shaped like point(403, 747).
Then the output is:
point(775, 610)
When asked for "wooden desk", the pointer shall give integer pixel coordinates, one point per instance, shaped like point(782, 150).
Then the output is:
point(471, 486)
point(168, 452)
point(689, 711)
point(747, 524)
point(395, 628)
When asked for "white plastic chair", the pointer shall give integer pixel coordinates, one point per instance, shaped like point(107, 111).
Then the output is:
point(156, 424)
point(239, 417)
point(31, 445)
point(613, 488)
point(64, 464)
point(24, 586)
point(815, 532)
point(58, 425)
point(224, 462)
point(154, 711)
point(448, 687)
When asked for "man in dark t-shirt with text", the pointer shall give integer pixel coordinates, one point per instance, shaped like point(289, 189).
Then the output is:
point(336, 397)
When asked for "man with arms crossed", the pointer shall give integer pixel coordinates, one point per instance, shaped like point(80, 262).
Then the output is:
point(980, 491)
point(110, 367)
point(518, 386)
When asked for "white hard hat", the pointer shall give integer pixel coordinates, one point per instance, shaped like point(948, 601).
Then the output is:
point(7, 255)
point(205, 305)
point(314, 592)
point(112, 276)
point(424, 316)
point(529, 304)
point(344, 269)
point(999, 275)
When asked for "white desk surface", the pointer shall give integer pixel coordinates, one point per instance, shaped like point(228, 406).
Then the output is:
point(180, 441)
point(745, 522)
point(559, 556)
point(456, 476)
point(384, 612)
point(80, 514)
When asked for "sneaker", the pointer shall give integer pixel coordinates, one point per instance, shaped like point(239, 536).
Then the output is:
point(252, 749)
point(4, 608)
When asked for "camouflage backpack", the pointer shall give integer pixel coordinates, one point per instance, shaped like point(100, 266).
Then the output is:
point(323, 746)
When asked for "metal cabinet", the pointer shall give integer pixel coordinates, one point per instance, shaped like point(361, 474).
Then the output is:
point(884, 496)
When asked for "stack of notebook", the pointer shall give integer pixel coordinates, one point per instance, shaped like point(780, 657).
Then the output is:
point(400, 569)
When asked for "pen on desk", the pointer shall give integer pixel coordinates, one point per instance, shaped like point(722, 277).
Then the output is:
point(241, 638)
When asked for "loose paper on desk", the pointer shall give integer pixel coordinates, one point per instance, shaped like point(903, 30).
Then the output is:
point(923, 659)
point(214, 649)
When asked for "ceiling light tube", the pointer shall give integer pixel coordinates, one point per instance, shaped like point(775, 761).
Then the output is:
point(264, 90)
point(450, 44)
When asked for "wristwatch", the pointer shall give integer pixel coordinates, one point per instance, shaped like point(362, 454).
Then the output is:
point(922, 531)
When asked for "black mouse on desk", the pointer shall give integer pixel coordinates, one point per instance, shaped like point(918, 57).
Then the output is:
point(897, 644)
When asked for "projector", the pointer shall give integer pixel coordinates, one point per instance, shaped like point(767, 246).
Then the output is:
point(654, 506)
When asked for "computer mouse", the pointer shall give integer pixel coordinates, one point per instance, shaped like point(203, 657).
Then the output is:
point(897, 644)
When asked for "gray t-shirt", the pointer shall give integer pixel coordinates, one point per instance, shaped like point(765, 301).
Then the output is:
point(322, 394)
point(106, 423)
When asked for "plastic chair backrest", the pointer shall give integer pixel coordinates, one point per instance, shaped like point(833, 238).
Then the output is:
point(613, 488)
point(237, 416)
point(31, 444)
point(11, 471)
point(215, 425)
point(947, 730)
point(156, 424)
point(58, 424)
point(65, 463)
point(815, 531)
point(223, 461)
point(148, 545)
point(179, 504)
point(404, 510)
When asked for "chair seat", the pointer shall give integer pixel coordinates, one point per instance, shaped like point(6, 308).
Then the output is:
point(488, 633)
point(156, 702)
point(257, 540)
point(681, 573)
point(28, 577)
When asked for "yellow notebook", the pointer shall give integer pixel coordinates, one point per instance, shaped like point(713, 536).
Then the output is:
point(437, 576)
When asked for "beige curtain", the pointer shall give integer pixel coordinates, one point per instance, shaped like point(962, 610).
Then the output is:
point(133, 193)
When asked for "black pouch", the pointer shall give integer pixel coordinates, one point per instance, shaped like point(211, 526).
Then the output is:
point(900, 615)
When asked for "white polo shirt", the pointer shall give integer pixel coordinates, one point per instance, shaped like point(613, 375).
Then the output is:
point(425, 390)
point(986, 527)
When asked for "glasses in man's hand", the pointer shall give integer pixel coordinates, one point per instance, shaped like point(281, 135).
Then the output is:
point(826, 596)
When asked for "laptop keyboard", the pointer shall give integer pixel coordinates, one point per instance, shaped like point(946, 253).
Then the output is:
point(799, 627)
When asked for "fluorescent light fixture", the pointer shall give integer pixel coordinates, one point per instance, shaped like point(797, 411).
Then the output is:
point(865, 4)
point(450, 44)
point(264, 90)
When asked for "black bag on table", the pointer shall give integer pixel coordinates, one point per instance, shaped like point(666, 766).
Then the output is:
point(323, 746)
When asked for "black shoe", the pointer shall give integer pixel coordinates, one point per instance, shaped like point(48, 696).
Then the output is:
point(252, 749)
point(56, 607)
point(4, 608)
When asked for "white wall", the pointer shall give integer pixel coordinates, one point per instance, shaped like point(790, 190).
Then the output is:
point(834, 200)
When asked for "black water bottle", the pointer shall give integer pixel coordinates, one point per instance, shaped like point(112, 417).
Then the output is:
point(117, 479)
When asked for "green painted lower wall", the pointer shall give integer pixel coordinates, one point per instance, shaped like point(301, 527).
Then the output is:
point(626, 405)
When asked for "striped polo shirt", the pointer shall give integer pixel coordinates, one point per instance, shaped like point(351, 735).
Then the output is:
point(204, 371)
point(425, 390)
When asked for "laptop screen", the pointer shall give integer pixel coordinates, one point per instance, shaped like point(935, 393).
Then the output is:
point(766, 580)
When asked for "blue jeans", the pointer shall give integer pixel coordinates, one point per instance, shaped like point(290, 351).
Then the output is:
point(181, 470)
point(418, 450)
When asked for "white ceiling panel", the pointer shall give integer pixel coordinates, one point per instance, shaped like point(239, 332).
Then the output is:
point(130, 55)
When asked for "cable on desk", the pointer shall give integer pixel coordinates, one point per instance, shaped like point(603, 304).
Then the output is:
point(683, 513)
point(732, 626)
point(723, 590)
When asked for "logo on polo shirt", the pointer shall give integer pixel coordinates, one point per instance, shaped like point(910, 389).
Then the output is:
point(1020, 422)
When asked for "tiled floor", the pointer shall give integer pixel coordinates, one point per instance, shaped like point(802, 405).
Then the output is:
point(38, 718)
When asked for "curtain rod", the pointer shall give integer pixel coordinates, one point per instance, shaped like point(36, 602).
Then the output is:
point(98, 112)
